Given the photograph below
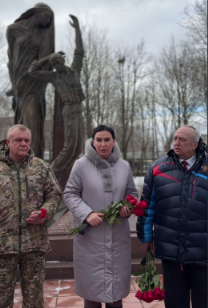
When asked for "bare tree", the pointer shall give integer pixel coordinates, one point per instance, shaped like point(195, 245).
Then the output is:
point(176, 77)
point(4, 81)
point(152, 110)
point(97, 78)
point(49, 120)
point(195, 24)
point(130, 72)
point(6, 114)
point(5, 107)
point(5, 103)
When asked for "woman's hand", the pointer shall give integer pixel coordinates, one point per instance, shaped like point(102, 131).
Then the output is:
point(125, 211)
point(94, 219)
point(146, 245)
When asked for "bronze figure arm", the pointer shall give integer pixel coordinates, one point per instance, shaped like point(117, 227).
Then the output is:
point(36, 72)
point(79, 50)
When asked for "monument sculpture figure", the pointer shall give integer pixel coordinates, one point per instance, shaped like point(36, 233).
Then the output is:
point(30, 38)
point(66, 81)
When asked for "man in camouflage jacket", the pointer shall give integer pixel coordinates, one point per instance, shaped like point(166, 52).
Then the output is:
point(27, 185)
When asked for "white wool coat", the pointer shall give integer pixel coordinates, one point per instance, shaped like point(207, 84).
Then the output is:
point(102, 256)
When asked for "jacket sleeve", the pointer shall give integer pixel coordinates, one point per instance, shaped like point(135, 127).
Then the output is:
point(130, 187)
point(52, 195)
point(72, 195)
point(145, 222)
point(78, 53)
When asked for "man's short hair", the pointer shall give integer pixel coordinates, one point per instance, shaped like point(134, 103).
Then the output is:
point(20, 126)
point(197, 135)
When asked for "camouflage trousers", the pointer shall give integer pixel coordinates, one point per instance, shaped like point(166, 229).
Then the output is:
point(32, 272)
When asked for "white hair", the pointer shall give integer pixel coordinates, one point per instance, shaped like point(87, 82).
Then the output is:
point(20, 126)
point(196, 135)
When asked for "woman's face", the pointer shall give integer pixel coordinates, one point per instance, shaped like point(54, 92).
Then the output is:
point(44, 18)
point(103, 143)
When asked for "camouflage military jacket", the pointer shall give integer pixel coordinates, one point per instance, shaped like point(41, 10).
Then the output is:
point(23, 191)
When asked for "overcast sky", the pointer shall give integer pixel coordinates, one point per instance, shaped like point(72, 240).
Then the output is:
point(127, 21)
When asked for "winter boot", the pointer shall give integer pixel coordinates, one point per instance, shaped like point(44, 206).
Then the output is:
point(98, 306)
point(106, 305)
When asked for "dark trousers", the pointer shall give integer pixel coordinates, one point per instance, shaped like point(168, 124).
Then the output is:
point(89, 304)
point(179, 281)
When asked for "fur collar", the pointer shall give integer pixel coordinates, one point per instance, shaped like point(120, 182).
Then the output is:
point(103, 164)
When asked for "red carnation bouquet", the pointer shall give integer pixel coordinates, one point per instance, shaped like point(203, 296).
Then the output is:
point(112, 212)
point(149, 281)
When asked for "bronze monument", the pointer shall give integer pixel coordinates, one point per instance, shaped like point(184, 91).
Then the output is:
point(66, 81)
point(30, 38)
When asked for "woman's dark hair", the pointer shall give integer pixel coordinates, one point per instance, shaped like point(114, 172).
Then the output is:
point(101, 128)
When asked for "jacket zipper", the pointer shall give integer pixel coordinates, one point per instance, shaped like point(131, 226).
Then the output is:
point(20, 211)
point(194, 187)
point(20, 204)
point(27, 188)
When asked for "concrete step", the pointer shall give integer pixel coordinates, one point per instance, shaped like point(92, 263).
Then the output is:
point(135, 265)
point(59, 262)
point(64, 270)
point(62, 248)
point(59, 270)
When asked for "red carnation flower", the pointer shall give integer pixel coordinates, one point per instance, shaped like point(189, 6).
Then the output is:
point(139, 295)
point(43, 213)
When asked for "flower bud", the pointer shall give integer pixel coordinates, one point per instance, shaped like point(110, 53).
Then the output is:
point(157, 293)
point(162, 294)
point(129, 197)
point(133, 201)
point(139, 295)
point(150, 294)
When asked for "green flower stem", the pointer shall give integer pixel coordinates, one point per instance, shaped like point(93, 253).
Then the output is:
point(110, 214)
point(149, 280)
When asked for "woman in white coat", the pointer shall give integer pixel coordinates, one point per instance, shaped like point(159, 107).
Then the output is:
point(102, 256)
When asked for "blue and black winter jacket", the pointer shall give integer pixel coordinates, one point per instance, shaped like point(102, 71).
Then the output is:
point(177, 208)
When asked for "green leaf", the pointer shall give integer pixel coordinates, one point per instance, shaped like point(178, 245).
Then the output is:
point(156, 280)
point(138, 280)
point(113, 205)
point(117, 221)
point(151, 263)
point(118, 206)
point(145, 279)
point(111, 219)
point(124, 202)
